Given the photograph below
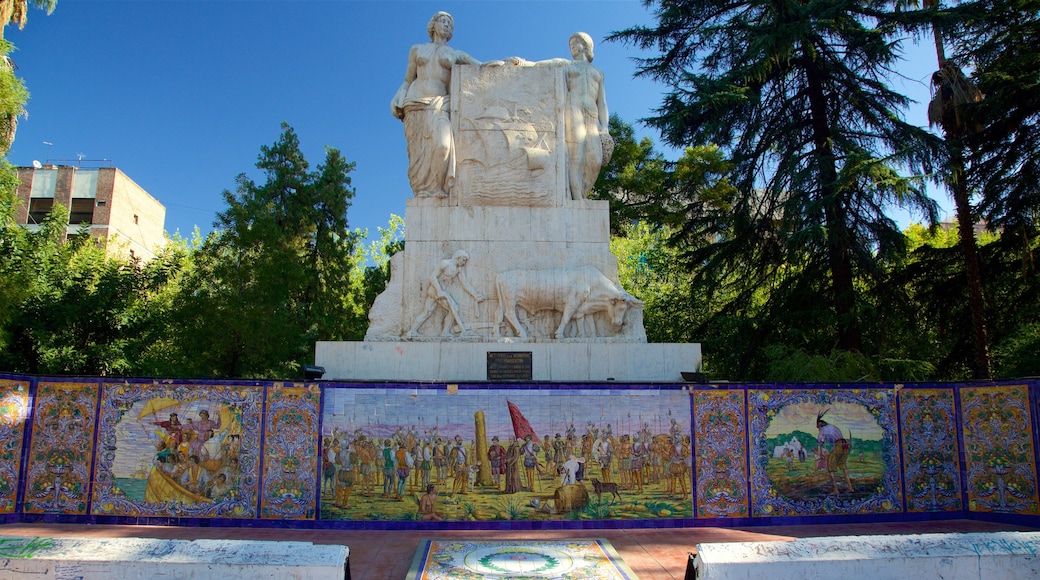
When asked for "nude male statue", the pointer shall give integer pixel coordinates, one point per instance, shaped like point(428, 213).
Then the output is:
point(437, 295)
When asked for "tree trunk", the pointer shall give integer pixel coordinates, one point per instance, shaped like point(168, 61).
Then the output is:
point(838, 255)
point(981, 366)
point(981, 369)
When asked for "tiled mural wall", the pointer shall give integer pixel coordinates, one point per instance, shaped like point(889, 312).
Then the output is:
point(489, 455)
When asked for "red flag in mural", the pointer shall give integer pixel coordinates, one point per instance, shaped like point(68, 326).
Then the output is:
point(521, 427)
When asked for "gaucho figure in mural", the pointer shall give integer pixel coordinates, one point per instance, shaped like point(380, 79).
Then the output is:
point(832, 451)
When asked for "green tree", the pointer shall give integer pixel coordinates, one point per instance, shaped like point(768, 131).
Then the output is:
point(68, 309)
point(275, 274)
point(372, 268)
point(938, 326)
point(952, 94)
point(13, 96)
point(1000, 42)
point(25, 258)
point(634, 181)
point(795, 94)
point(12, 91)
point(989, 122)
point(650, 268)
point(998, 39)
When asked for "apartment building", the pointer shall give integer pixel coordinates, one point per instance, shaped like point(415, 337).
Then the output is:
point(124, 218)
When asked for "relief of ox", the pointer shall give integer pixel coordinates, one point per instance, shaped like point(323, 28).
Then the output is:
point(577, 293)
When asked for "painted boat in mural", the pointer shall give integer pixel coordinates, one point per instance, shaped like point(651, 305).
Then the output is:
point(161, 487)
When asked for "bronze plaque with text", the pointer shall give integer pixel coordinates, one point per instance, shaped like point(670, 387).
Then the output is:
point(509, 366)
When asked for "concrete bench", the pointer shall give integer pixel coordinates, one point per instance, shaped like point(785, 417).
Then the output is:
point(974, 556)
point(136, 558)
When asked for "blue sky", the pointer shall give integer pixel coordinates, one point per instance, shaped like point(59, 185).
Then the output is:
point(180, 95)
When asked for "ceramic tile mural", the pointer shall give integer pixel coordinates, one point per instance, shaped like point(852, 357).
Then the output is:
point(14, 408)
point(61, 448)
point(290, 452)
point(498, 454)
point(823, 451)
point(931, 467)
point(998, 450)
point(343, 455)
point(720, 433)
point(178, 450)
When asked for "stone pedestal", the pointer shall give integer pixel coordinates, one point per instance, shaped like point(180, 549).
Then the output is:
point(497, 239)
point(467, 362)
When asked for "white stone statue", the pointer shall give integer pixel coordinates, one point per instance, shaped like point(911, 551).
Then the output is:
point(579, 294)
point(423, 103)
point(436, 294)
point(586, 119)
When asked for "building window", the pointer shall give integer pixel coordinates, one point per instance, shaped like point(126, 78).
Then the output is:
point(82, 211)
point(39, 207)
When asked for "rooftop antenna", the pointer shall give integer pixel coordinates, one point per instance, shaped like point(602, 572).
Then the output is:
point(48, 144)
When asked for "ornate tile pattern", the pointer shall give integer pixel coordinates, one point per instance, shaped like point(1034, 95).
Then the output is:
point(720, 433)
point(577, 559)
point(998, 449)
point(928, 422)
point(14, 407)
point(178, 450)
point(800, 483)
point(61, 448)
point(290, 452)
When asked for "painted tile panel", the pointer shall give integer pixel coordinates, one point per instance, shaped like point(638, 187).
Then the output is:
point(290, 452)
point(61, 448)
point(998, 450)
point(931, 465)
point(823, 452)
point(505, 454)
point(178, 450)
point(720, 432)
point(14, 408)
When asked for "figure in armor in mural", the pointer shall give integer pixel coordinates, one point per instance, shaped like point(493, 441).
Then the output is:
point(497, 458)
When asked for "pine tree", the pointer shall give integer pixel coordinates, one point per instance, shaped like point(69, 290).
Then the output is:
point(796, 95)
point(275, 275)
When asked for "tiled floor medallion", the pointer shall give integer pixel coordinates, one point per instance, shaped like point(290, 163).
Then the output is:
point(562, 559)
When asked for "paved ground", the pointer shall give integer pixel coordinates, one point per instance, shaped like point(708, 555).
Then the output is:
point(653, 554)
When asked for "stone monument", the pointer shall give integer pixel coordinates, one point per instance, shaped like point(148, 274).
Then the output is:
point(503, 252)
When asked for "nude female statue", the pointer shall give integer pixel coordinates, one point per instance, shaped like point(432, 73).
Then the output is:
point(423, 102)
point(588, 141)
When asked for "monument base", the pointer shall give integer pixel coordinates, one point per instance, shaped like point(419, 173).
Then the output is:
point(461, 361)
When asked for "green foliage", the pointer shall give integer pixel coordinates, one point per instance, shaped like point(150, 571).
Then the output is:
point(935, 325)
point(652, 271)
point(998, 39)
point(635, 180)
point(1018, 353)
point(276, 274)
point(794, 94)
point(68, 309)
point(799, 366)
point(13, 96)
